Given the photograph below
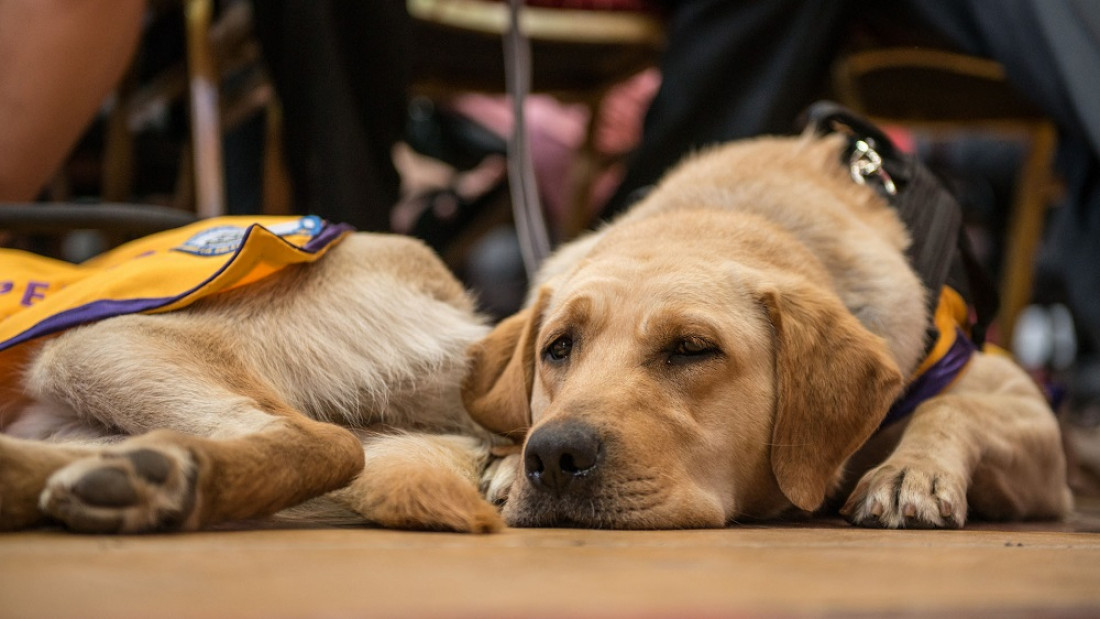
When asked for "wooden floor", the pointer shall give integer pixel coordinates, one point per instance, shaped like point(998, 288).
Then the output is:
point(818, 568)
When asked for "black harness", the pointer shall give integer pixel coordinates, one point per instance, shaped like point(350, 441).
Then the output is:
point(940, 252)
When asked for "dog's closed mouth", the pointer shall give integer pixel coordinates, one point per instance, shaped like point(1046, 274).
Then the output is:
point(626, 504)
point(546, 511)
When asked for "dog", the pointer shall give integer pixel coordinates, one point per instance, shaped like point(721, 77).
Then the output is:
point(337, 378)
point(726, 351)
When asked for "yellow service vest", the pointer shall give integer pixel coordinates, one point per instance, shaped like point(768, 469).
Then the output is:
point(157, 273)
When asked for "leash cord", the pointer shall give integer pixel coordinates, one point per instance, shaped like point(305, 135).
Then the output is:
point(534, 241)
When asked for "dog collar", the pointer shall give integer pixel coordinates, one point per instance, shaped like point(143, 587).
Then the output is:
point(946, 360)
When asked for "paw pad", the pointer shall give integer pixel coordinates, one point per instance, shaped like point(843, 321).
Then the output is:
point(123, 491)
point(105, 487)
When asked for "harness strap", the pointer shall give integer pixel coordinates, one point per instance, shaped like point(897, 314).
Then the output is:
point(939, 252)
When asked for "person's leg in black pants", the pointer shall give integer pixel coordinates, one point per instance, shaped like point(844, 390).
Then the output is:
point(732, 69)
point(341, 71)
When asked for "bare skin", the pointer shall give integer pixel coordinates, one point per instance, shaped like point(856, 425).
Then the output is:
point(61, 58)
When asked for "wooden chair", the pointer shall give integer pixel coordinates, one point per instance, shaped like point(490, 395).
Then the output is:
point(942, 94)
point(215, 48)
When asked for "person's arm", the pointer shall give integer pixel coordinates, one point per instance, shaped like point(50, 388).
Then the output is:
point(60, 59)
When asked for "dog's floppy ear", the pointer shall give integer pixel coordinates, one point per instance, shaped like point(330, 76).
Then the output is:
point(497, 390)
point(835, 382)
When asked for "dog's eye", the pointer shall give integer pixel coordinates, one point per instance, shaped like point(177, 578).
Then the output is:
point(691, 349)
point(560, 348)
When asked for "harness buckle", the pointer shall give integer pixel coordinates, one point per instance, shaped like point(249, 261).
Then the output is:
point(865, 163)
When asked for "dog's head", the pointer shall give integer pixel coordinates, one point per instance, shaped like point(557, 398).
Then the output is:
point(690, 371)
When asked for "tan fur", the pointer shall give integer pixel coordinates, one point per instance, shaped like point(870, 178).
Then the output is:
point(792, 280)
point(257, 399)
point(409, 483)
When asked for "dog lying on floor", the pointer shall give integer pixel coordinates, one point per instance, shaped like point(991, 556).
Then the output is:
point(727, 350)
point(325, 375)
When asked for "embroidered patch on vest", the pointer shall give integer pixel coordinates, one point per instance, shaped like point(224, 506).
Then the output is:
point(226, 239)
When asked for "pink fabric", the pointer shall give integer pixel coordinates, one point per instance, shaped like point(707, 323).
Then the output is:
point(556, 132)
point(902, 138)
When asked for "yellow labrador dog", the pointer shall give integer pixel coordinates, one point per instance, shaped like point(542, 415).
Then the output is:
point(727, 350)
point(339, 374)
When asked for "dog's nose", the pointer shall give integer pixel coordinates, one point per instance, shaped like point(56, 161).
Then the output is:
point(559, 455)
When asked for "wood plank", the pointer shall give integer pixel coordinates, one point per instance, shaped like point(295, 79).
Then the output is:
point(813, 568)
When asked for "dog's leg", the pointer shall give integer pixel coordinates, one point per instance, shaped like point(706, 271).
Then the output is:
point(221, 445)
point(430, 482)
point(58, 438)
point(166, 480)
point(24, 468)
point(989, 447)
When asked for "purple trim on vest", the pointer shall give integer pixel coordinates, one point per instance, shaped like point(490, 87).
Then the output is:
point(109, 308)
point(934, 380)
point(89, 312)
point(327, 235)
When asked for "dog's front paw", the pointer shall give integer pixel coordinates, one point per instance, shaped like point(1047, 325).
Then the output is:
point(124, 490)
point(908, 495)
point(498, 477)
point(424, 501)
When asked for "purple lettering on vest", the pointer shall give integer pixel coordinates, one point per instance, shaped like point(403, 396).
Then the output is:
point(34, 292)
point(5, 287)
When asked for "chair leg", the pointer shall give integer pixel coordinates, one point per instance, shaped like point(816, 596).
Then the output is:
point(205, 123)
point(118, 157)
point(584, 172)
point(276, 179)
point(1025, 229)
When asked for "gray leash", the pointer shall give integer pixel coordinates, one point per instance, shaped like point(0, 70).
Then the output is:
point(534, 241)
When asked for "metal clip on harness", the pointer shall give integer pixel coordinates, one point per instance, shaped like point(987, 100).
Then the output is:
point(865, 163)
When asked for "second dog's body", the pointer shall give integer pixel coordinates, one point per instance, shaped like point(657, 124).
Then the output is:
point(256, 399)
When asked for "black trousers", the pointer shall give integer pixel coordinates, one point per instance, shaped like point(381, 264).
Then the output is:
point(341, 68)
